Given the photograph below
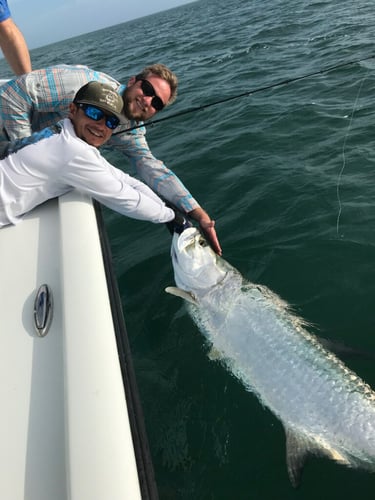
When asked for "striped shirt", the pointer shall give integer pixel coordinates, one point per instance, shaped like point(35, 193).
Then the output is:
point(39, 99)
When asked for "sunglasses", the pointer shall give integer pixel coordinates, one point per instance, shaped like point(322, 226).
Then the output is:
point(97, 114)
point(149, 91)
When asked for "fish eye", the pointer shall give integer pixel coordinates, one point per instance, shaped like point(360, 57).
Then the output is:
point(202, 242)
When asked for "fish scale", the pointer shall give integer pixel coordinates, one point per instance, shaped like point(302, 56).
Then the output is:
point(324, 407)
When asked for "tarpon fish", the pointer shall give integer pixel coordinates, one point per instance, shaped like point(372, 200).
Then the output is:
point(325, 408)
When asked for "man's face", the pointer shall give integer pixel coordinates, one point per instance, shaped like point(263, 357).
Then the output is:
point(137, 105)
point(95, 133)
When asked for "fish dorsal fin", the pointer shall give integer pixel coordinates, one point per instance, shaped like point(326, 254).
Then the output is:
point(297, 451)
point(182, 294)
point(346, 351)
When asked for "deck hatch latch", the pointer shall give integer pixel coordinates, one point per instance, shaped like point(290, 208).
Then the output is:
point(43, 310)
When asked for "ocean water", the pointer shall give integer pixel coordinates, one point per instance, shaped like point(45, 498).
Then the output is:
point(288, 173)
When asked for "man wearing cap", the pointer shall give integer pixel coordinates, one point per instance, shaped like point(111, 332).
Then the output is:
point(65, 156)
point(41, 98)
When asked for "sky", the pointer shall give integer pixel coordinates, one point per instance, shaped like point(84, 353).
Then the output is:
point(48, 21)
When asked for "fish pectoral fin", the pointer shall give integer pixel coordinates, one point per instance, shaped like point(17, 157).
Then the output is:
point(182, 294)
point(297, 450)
point(214, 354)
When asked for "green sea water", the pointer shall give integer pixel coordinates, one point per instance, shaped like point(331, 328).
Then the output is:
point(288, 173)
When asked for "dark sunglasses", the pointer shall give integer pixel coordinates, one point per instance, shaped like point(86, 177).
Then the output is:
point(97, 114)
point(149, 91)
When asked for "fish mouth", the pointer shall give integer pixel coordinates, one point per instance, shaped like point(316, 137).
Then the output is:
point(183, 245)
point(187, 239)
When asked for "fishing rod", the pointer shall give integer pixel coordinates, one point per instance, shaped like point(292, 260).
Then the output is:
point(247, 93)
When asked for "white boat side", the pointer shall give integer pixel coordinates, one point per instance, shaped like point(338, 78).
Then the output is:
point(65, 431)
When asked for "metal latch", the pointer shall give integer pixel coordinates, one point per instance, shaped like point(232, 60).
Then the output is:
point(43, 310)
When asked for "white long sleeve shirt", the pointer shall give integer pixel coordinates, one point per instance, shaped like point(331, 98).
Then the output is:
point(54, 161)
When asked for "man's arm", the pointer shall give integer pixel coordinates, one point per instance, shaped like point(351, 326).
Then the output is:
point(152, 171)
point(92, 174)
point(14, 47)
point(162, 180)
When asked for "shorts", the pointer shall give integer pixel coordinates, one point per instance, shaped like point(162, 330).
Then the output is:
point(4, 10)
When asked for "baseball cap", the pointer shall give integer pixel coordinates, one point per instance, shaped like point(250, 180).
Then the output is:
point(101, 95)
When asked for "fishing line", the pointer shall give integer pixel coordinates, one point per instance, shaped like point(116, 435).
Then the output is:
point(247, 93)
point(343, 155)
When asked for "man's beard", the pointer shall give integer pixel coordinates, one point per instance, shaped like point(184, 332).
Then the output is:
point(129, 113)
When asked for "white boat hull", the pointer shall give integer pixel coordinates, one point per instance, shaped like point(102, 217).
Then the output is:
point(64, 423)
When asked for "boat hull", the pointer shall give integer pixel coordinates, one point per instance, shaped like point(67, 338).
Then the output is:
point(64, 422)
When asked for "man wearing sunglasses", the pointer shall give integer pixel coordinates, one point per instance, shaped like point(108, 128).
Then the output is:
point(64, 156)
point(41, 98)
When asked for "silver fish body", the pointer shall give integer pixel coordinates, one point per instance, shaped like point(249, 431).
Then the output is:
point(325, 408)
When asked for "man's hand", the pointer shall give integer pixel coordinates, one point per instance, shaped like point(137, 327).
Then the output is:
point(179, 223)
point(207, 226)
